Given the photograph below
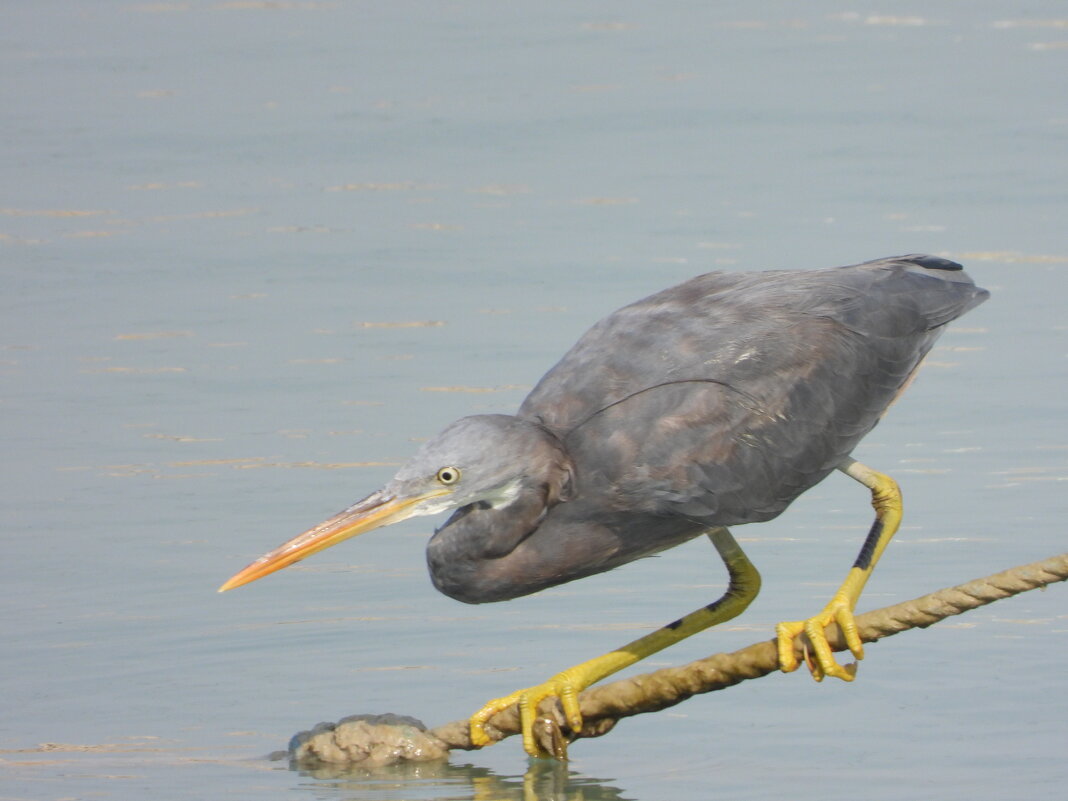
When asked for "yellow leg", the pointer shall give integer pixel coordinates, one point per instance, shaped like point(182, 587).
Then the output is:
point(886, 498)
point(742, 589)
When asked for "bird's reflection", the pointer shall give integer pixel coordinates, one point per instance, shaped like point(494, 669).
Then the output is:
point(544, 780)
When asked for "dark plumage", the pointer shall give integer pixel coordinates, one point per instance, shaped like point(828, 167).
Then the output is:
point(713, 403)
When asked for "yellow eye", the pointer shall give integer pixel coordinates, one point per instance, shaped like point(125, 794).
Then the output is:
point(449, 475)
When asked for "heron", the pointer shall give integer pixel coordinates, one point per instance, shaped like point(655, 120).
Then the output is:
point(711, 404)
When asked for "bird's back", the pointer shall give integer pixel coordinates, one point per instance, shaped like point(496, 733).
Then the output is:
point(725, 397)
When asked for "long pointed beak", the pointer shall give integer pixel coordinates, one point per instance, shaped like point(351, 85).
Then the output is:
point(376, 510)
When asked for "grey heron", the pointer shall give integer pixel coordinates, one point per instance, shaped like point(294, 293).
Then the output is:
point(710, 404)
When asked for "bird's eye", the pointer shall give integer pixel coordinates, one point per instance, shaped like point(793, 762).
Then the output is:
point(449, 475)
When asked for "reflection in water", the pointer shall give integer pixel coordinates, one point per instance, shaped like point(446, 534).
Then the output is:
point(545, 780)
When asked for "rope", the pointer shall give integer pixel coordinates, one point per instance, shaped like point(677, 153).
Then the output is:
point(603, 706)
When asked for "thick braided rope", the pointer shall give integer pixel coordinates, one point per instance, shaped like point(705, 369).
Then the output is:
point(604, 705)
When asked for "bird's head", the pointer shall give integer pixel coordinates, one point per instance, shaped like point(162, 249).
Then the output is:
point(484, 459)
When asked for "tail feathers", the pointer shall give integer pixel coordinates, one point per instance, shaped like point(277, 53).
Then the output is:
point(941, 289)
point(951, 293)
point(927, 262)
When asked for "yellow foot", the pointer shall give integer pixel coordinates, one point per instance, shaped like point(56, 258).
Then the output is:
point(561, 686)
point(822, 663)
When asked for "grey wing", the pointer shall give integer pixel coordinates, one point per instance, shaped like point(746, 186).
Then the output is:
point(725, 400)
point(739, 448)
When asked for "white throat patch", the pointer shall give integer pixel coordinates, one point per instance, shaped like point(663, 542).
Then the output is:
point(504, 495)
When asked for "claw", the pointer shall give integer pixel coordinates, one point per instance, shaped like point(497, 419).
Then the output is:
point(814, 668)
point(561, 686)
point(821, 660)
point(478, 721)
point(551, 738)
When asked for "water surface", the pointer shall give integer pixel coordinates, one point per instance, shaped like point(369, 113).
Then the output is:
point(254, 252)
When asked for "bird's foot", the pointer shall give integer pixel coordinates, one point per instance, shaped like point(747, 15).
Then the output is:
point(562, 686)
point(821, 663)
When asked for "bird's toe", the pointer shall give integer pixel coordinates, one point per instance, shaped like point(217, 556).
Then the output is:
point(529, 700)
point(817, 651)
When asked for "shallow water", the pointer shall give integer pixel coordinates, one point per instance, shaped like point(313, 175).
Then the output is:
point(253, 252)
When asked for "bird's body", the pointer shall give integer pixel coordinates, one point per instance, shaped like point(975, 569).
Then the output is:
point(713, 403)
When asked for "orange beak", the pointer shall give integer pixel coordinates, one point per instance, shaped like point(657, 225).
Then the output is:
point(376, 510)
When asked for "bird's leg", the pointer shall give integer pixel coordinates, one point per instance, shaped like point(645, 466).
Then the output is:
point(742, 589)
point(886, 498)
